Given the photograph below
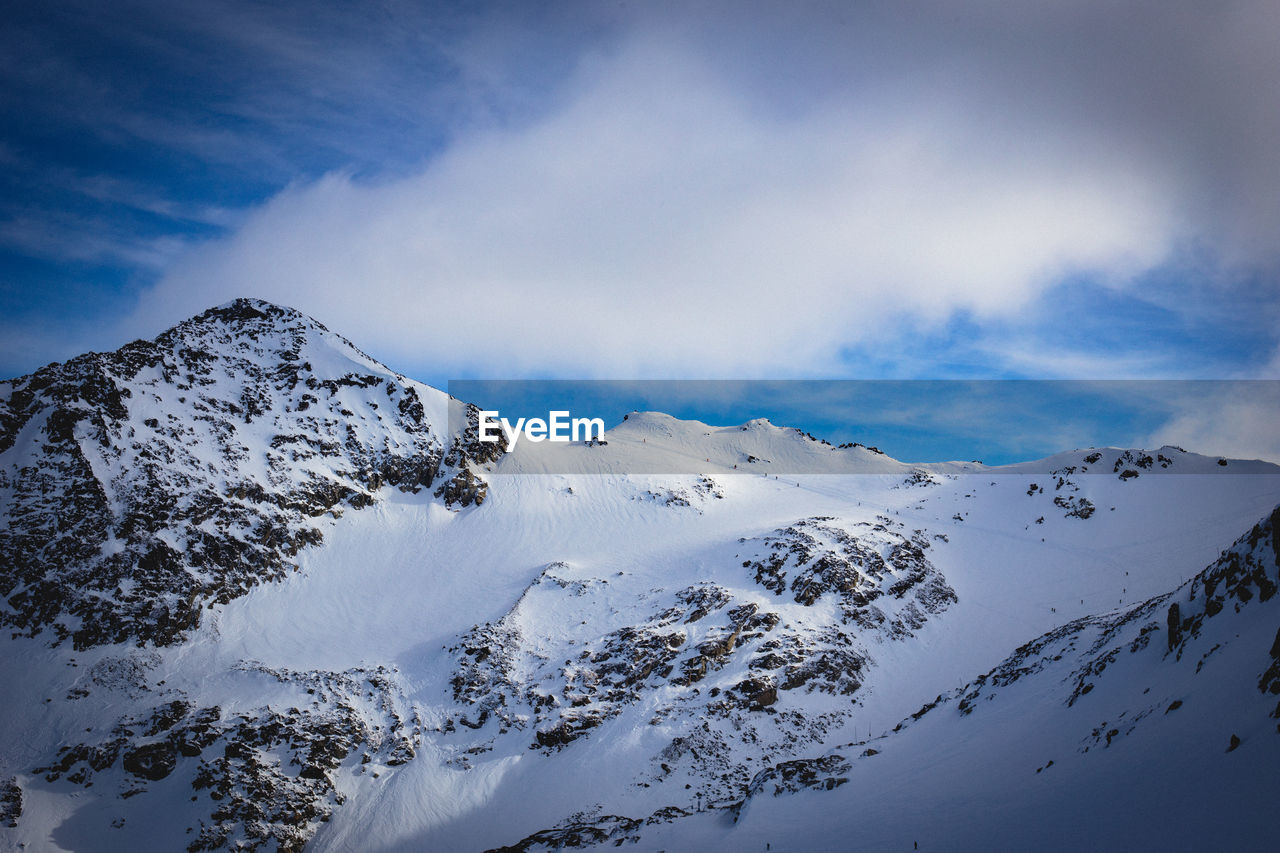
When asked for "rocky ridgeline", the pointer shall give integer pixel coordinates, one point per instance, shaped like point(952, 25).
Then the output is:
point(1066, 489)
point(143, 485)
point(265, 779)
point(1126, 465)
point(822, 773)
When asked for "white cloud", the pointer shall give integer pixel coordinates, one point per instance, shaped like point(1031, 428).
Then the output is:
point(1237, 420)
point(661, 223)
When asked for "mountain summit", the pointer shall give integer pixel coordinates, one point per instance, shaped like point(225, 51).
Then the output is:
point(147, 483)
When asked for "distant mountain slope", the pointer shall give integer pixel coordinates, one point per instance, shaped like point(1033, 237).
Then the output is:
point(142, 485)
point(657, 443)
point(1153, 727)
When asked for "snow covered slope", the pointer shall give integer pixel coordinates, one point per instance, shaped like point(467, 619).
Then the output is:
point(480, 651)
point(1152, 727)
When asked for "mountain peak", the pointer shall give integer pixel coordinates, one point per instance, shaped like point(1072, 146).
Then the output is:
point(151, 482)
point(245, 310)
point(249, 317)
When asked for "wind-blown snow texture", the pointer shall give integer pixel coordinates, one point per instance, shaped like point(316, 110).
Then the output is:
point(257, 596)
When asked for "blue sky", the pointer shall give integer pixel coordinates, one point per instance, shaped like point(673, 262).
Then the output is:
point(905, 190)
point(996, 421)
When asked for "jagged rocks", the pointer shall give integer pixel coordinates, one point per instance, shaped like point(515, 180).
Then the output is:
point(1132, 457)
point(593, 832)
point(1242, 573)
point(921, 478)
point(10, 802)
point(151, 761)
point(1094, 644)
point(466, 488)
point(1075, 507)
point(1174, 623)
point(824, 773)
point(882, 579)
point(1270, 680)
point(760, 692)
point(702, 489)
point(788, 777)
point(266, 778)
point(571, 726)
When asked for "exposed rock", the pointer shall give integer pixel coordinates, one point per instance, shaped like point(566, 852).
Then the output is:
point(825, 773)
point(268, 776)
point(466, 488)
point(1075, 507)
point(10, 802)
point(594, 832)
point(882, 579)
point(1174, 622)
point(151, 761)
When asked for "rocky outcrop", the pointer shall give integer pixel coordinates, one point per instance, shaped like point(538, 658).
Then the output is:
point(264, 779)
point(148, 483)
point(880, 577)
point(10, 802)
point(613, 830)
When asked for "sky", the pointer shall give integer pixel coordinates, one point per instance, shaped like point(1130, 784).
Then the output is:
point(651, 190)
point(994, 421)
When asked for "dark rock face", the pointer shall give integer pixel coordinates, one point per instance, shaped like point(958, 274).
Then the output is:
point(152, 761)
point(464, 489)
point(609, 829)
point(1244, 572)
point(1174, 622)
point(151, 482)
point(10, 803)
point(1270, 680)
point(1075, 507)
point(721, 654)
point(567, 701)
point(1138, 458)
point(788, 777)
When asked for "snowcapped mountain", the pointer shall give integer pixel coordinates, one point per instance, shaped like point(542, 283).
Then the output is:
point(143, 484)
point(259, 596)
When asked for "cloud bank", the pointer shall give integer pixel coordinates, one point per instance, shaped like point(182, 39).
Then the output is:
point(709, 195)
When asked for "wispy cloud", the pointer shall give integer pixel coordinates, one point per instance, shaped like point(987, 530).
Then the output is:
point(67, 238)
